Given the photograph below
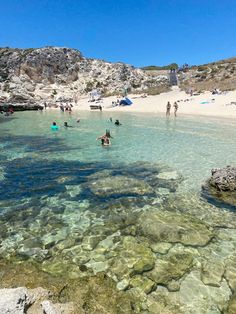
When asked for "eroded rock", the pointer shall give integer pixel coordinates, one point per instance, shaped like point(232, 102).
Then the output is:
point(222, 185)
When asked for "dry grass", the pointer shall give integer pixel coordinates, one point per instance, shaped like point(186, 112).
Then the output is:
point(207, 85)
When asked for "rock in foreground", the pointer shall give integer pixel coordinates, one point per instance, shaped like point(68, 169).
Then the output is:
point(20, 301)
point(222, 185)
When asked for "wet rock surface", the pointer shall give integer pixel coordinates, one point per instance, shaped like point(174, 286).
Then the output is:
point(222, 185)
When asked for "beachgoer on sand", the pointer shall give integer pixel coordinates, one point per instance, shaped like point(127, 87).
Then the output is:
point(168, 107)
point(175, 109)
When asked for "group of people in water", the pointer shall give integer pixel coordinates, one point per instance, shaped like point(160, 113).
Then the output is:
point(168, 107)
point(7, 112)
point(55, 127)
point(105, 138)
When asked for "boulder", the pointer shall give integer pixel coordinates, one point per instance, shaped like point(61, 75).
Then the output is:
point(33, 301)
point(14, 301)
point(222, 185)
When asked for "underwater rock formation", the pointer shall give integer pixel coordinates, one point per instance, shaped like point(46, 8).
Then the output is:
point(165, 226)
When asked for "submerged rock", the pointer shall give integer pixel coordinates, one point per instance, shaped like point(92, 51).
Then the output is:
point(232, 304)
point(171, 267)
point(119, 185)
point(2, 174)
point(174, 228)
point(199, 298)
point(212, 272)
point(131, 258)
point(230, 273)
point(222, 185)
point(143, 283)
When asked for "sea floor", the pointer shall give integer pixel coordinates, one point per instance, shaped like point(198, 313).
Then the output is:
point(128, 222)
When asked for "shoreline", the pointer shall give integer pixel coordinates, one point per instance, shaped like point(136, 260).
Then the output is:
point(204, 104)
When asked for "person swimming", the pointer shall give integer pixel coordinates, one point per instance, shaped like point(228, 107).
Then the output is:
point(54, 126)
point(117, 122)
point(67, 126)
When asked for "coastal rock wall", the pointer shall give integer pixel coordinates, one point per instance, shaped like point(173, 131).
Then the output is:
point(52, 72)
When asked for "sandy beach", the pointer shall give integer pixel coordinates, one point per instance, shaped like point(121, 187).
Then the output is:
point(220, 105)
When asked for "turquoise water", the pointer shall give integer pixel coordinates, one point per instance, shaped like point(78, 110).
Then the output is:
point(73, 207)
point(190, 145)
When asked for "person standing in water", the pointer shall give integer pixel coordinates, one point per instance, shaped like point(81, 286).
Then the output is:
point(54, 126)
point(105, 139)
point(175, 109)
point(168, 107)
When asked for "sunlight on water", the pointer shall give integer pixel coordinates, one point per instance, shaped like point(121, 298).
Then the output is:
point(71, 206)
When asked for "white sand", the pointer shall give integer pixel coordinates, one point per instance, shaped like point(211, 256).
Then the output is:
point(217, 105)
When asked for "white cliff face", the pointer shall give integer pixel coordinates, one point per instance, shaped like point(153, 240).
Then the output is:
point(52, 72)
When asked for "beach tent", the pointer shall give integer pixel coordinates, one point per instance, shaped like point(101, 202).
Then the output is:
point(125, 102)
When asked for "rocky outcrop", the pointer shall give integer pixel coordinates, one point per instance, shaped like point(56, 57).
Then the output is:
point(21, 300)
point(222, 185)
point(21, 107)
point(51, 72)
point(221, 74)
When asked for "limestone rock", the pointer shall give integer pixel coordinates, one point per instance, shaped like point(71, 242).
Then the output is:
point(232, 305)
point(143, 283)
point(52, 72)
point(172, 267)
point(230, 272)
point(212, 272)
point(132, 257)
point(49, 308)
point(222, 185)
point(14, 301)
point(199, 298)
point(172, 175)
point(120, 185)
point(174, 228)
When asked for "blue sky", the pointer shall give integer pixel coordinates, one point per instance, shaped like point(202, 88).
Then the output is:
point(138, 32)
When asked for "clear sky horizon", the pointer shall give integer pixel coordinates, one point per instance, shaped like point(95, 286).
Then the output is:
point(138, 32)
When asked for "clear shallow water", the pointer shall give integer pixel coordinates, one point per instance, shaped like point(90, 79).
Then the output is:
point(66, 201)
point(190, 145)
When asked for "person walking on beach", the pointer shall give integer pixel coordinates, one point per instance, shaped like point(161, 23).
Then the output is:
point(175, 109)
point(168, 107)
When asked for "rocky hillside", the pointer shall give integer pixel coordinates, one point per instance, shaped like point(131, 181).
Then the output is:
point(52, 72)
point(221, 74)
